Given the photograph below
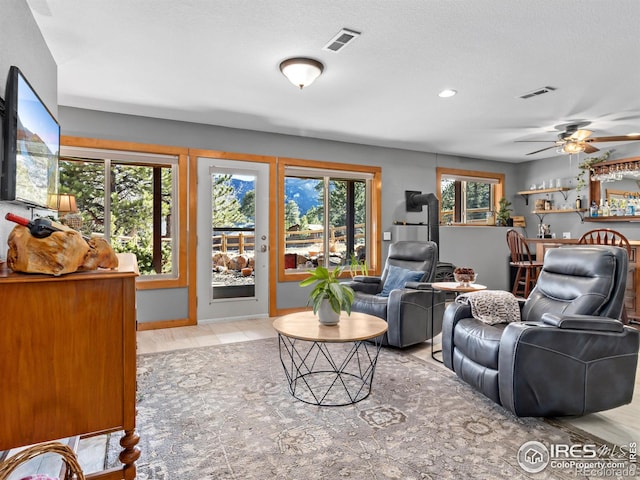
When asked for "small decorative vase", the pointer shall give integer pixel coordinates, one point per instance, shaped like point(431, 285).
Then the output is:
point(326, 315)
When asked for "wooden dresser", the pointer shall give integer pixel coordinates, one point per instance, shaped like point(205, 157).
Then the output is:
point(68, 358)
point(633, 279)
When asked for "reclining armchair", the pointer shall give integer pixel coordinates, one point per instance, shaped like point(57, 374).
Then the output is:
point(570, 354)
point(402, 295)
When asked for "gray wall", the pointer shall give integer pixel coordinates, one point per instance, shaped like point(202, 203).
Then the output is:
point(401, 170)
point(484, 248)
point(21, 44)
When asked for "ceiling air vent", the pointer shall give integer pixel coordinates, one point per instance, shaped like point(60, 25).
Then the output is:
point(341, 40)
point(537, 92)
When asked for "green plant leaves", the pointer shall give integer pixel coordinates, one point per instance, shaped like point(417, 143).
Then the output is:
point(327, 285)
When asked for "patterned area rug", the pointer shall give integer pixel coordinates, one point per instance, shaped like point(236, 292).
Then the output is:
point(225, 412)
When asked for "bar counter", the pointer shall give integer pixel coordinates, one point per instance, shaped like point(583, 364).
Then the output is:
point(542, 244)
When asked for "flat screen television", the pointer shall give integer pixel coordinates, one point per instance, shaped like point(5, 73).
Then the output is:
point(29, 172)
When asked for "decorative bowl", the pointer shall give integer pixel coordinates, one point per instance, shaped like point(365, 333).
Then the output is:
point(464, 276)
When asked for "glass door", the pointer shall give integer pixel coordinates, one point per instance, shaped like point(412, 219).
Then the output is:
point(233, 219)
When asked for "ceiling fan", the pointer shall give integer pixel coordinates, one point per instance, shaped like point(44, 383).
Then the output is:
point(574, 140)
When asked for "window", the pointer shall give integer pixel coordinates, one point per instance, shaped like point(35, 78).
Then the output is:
point(467, 196)
point(131, 199)
point(327, 217)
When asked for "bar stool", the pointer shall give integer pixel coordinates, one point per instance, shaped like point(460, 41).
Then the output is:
point(605, 236)
point(528, 269)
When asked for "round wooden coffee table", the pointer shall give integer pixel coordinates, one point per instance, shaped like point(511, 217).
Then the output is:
point(329, 365)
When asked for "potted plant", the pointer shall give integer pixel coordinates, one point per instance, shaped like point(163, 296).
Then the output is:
point(358, 268)
point(328, 296)
point(586, 168)
point(504, 213)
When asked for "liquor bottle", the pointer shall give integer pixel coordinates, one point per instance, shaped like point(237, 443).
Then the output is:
point(39, 227)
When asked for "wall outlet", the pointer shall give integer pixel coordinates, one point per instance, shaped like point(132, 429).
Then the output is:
point(566, 234)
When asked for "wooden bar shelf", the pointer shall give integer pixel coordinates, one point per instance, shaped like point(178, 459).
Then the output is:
point(525, 193)
point(542, 213)
point(620, 218)
point(566, 210)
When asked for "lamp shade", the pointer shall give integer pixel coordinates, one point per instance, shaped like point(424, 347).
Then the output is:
point(67, 203)
point(302, 72)
point(573, 147)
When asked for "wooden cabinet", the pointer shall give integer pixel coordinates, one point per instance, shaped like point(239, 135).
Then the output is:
point(68, 358)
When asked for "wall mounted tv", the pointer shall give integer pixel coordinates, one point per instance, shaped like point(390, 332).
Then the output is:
point(29, 172)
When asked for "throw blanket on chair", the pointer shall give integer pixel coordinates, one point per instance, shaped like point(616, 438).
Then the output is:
point(492, 306)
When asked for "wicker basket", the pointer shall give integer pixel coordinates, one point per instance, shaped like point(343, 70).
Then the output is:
point(73, 470)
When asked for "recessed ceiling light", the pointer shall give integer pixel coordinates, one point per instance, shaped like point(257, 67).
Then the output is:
point(447, 93)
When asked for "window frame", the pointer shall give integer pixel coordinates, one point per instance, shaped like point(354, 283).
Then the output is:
point(328, 168)
point(470, 175)
point(179, 277)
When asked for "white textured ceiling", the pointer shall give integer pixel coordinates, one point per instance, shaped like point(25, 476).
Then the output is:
point(216, 62)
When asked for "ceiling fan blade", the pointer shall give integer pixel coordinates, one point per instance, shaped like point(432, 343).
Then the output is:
point(619, 138)
point(588, 148)
point(541, 150)
point(534, 141)
point(579, 135)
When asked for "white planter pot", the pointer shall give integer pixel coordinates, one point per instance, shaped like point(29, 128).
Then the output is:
point(326, 315)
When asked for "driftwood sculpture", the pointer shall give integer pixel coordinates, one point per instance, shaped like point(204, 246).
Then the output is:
point(59, 253)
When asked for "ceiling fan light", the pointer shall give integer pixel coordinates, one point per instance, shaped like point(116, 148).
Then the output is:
point(573, 147)
point(580, 135)
point(302, 72)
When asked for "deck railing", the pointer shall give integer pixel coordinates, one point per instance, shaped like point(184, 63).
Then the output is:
point(241, 240)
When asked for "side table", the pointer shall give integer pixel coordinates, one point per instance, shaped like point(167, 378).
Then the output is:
point(458, 289)
point(329, 365)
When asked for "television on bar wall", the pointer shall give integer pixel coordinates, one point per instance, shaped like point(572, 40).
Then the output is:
point(29, 172)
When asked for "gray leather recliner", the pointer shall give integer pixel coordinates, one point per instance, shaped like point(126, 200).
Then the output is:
point(408, 311)
point(570, 355)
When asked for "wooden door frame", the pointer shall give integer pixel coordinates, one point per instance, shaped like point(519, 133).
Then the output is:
point(194, 154)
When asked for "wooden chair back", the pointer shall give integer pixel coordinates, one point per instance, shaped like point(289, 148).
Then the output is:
point(518, 247)
point(605, 236)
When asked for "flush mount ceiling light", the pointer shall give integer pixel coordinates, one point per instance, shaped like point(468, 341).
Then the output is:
point(301, 71)
point(447, 93)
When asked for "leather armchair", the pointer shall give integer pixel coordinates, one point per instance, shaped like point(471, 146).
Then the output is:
point(409, 310)
point(570, 354)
